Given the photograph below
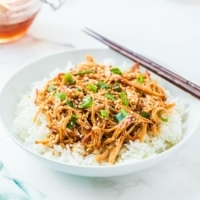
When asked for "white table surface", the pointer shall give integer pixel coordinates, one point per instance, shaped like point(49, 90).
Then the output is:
point(167, 31)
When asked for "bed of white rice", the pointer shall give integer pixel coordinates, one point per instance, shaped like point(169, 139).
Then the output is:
point(28, 132)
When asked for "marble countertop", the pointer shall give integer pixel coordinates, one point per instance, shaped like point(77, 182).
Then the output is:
point(167, 31)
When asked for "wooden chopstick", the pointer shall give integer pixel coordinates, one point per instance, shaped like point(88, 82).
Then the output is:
point(161, 71)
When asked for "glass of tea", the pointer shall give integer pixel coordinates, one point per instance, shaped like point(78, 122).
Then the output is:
point(16, 16)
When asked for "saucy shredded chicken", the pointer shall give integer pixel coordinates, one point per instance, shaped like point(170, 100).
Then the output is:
point(101, 107)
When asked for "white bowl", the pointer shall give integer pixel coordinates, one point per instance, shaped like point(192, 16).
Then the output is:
point(37, 70)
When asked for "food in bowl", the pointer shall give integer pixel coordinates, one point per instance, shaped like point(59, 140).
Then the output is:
point(97, 114)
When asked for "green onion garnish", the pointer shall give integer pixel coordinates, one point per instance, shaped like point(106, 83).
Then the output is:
point(161, 117)
point(72, 122)
point(145, 114)
point(51, 88)
point(110, 96)
point(86, 103)
point(117, 87)
point(140, 79)
point(120, 116)
point(116, 70)
point(103, 85)
point(164, 119)
point(60, 95)
point(124, 98)
point(69, 103)
point(69, 78)
point(92, 87)
point(104, 114)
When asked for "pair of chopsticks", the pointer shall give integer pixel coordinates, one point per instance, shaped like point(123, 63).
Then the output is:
point(161, 71)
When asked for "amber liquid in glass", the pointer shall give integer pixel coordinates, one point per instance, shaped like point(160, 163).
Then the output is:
point(12, 32)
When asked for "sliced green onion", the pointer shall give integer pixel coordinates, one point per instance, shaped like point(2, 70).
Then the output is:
point(69, 103)
point(140, 79)
point(51, 88)
point(117, 87)
point(116, 70)
point(60, 95)
point(120, 116)
point(72, 122)
point(124, 98)
point(164, 119)
point(103, 85)
point(86, 103)
point(92, 87)
point(145, 114)
point(104, 114)
point(161, 117)
point(85, 72)
point(110, 96)
point(69, 78)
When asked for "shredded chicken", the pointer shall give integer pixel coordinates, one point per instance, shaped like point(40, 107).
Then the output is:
point(102, 108)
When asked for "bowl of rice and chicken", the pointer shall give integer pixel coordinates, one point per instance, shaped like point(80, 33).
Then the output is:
point(93, 112)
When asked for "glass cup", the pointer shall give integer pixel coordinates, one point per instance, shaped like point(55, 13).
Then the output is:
point(16, 16)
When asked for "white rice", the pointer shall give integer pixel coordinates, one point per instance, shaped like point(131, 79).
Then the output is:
point(171, 133)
